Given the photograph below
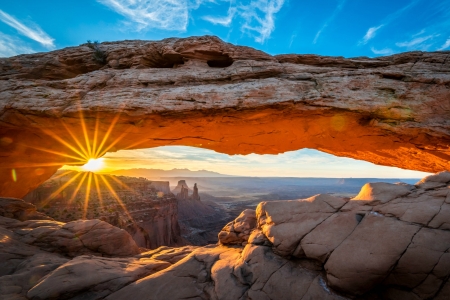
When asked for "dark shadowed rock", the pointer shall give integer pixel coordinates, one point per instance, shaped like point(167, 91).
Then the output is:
point(20, 210)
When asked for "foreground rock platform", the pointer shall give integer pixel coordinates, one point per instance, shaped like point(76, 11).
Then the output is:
point(391, 241)
point(56, 107)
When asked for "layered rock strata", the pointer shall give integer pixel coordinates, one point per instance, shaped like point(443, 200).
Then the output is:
point(199, 221)
point(202, 92)
point(392, 241)
point(149, 215)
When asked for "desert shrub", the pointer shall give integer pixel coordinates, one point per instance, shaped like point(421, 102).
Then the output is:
point(99, 55)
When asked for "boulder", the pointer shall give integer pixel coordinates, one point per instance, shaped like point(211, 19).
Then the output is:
point(18, 209)
point(238, 231)
point(92, 277)
point(75, 238)
point(382, 192)
point(285, 223)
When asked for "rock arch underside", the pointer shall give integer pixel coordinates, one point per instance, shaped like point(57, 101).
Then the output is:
point(392, 241)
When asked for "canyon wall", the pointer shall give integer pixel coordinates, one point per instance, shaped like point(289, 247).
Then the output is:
point(199, 221)
point(390, 242)
point(148, 214)
point(63, 107)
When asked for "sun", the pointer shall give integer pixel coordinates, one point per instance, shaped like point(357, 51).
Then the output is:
point(93, 164)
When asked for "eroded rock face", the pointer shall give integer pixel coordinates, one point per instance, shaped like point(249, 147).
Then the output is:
point(74, 238)
point(238, 231)
point(202, 92)
point(391, 236)
point(20, 210)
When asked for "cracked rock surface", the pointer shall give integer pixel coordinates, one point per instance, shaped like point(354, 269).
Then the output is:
point(391, 241)
point(203, 92)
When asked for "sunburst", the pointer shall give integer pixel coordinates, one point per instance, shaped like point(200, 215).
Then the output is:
point(88, 150)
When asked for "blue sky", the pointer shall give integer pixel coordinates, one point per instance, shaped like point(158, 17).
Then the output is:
point(328, 27)
point(346, 28)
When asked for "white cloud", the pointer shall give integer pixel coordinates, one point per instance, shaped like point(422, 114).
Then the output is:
point(35, 33)
point(445, 46)
point(224, 21)
point(329, 20)
point(10, 46)
point(385, 51)
point(417, 42)
point(370, 34)
point(161, 14)
point(259, 17)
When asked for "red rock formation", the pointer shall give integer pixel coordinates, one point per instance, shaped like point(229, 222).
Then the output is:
point(151, 218)
point(161, 186)
point(183, 194)
point(391, 241)
point(203, 92)
point(182, 185)
point(195, 195)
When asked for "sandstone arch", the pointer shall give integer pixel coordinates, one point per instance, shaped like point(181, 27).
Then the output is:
point(203, 92)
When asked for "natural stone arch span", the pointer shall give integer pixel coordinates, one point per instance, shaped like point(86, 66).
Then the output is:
point(202, 92)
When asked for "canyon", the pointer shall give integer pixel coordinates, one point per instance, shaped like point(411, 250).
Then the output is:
point(146, 209)
point(391, 241)
point(63, 107)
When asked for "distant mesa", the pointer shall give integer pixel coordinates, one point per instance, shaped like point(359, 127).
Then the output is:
point(182, 191)
point(157, 173)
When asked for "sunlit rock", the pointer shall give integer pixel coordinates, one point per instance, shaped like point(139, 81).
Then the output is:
point(238, 231)
point(203, 92)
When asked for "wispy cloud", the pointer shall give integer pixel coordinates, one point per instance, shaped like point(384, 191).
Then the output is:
point(10, 46)
point(384, 51)
point(370, 34)
point(445, 46)
point(293, 37)
point(33, 32)
point(161, 14)
point(259, 18)
point(225, 20)
point(330, 19)
point(418, 42)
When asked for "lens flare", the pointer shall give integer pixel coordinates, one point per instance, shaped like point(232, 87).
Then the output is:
point(85, 147)
point(93, 165)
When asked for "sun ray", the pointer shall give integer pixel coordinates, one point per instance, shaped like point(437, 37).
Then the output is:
point(85, 133)
point(123, 184)
point(106, 136)
point(60, 189)
point(57, 153)
point(54, 136)
point(75, 192)
point(113, 144)
point(62, 174)
point(99, 193)
point(75, 139)
point(94, 142)
point(111, 190)
point(19, 165)
point(87, 195)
